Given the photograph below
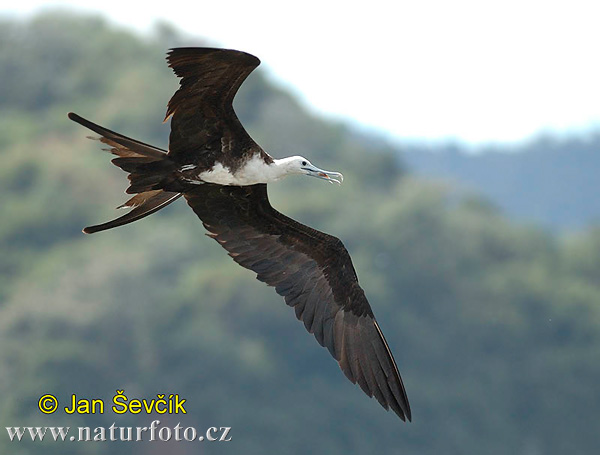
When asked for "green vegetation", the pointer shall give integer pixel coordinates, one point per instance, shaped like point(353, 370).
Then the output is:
point(495, 326)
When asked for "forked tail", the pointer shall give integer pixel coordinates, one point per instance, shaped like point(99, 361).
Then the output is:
point(150, 172)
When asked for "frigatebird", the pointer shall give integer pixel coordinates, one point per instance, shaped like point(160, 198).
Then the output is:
point(223, 175)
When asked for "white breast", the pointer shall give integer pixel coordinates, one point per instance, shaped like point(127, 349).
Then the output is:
point(252, 172)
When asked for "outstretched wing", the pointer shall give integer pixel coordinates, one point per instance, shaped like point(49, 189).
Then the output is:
point(314, 274)
point(203, 119)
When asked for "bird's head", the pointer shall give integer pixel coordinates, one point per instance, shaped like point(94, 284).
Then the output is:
point(300, 165)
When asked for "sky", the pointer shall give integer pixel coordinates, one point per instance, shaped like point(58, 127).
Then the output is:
point(471, 71)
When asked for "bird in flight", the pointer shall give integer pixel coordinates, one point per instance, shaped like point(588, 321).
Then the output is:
point(223, 175)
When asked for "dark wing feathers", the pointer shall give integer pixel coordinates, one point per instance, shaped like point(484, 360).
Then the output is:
point(310, 269)
point(211, 75)
point(203, 120)
point(314, 274)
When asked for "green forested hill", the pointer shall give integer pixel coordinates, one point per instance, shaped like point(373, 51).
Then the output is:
point(495, 326)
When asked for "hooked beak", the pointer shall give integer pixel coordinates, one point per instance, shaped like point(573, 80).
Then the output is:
point(330, 176)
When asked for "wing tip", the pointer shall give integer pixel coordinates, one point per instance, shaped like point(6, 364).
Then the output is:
point(191, 52)
point(405, 414)
point(400, 395)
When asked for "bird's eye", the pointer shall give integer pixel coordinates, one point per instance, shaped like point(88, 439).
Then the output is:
point(303, 163)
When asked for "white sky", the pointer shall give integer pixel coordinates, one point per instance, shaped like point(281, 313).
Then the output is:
point(477, 71)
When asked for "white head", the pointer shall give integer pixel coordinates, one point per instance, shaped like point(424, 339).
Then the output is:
point(300, 165)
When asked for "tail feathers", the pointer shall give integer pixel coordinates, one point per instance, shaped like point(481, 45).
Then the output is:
point(150, 174)
point(146, 174)
point(121, 145)
point(149, 167)
point(143, 204)
point(140, 199)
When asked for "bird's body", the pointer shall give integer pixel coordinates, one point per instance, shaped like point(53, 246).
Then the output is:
point(253, 171)
point(223, 175)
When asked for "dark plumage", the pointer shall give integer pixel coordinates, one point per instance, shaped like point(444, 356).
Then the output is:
point(202, 109)
point(310, 269)
point(313, 272)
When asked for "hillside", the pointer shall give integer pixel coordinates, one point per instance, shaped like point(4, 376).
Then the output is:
point(550, 181)
point(495, 325)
